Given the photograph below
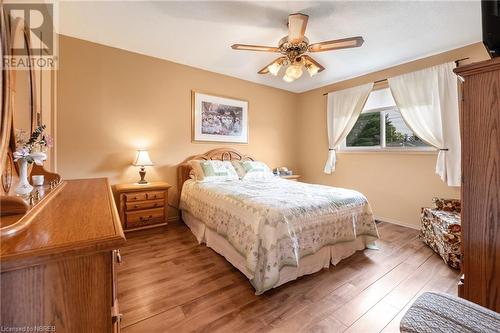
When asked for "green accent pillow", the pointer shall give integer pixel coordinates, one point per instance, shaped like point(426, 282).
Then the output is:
point(209, 171)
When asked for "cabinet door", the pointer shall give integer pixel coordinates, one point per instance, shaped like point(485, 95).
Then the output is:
point(481, 189)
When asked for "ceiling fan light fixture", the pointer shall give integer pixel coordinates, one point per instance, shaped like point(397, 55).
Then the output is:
point(288, 79)
point(274, 68)
point(295, 48)
point(294, 71)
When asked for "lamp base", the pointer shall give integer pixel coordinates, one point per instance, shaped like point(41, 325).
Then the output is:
point(142, 173)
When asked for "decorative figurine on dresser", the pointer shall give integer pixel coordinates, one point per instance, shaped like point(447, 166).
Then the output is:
point(59, 239)
point(143, 205)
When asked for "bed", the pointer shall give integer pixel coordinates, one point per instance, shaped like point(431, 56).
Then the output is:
point(275, 230)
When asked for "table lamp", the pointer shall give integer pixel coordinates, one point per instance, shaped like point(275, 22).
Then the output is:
point(142, 160)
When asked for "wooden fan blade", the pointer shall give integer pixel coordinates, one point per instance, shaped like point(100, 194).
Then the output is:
point(297, 24)
point(265, 70)
point(314, 62)
point(245, 47)
point(336, 44)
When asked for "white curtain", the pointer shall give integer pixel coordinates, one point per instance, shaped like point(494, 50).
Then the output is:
point(344, 107)
point(428, 102)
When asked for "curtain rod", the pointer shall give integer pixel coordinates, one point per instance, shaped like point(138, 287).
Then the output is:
point(384, 80)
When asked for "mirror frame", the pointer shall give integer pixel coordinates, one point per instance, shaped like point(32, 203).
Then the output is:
point(6, 114)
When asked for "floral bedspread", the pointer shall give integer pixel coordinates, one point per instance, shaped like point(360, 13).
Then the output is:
point(273, 223)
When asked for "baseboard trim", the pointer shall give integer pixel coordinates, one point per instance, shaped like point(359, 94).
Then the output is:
point(393, 221)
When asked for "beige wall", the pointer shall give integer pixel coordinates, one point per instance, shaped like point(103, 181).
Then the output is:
point(396, 184)
point(111, 102)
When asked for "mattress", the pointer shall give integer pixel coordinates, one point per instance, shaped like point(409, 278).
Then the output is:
point(276, 226)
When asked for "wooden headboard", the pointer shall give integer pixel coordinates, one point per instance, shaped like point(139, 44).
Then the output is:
point(221, 154)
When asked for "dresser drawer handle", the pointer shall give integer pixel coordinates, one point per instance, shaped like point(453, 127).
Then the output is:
point(118, 257)
point(117, 318)
point(136, 206)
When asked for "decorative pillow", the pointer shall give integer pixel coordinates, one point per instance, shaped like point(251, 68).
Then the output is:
point(213, 171)
point(252, 170)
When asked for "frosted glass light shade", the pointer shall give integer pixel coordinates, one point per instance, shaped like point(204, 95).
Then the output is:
point(294, 71)
point(312, 69)
point(287, 78)
point(142, 158)
point(274, 68)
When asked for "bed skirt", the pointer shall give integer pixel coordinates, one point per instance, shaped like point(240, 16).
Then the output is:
point(307, 265)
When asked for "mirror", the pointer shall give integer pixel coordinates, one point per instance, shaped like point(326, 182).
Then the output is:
point(20, 114)
point(23, 99)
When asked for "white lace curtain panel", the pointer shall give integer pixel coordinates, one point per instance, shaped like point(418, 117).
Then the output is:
point(344, 107)
point(428, 102)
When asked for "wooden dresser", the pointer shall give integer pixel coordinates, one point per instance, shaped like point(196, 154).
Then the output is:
point(480, 132)
point(60, 271)
point(143, 206)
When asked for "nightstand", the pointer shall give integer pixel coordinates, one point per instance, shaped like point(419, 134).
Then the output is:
point(291, 177)
point(143, 206)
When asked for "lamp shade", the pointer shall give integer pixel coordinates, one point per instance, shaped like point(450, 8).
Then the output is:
point(142, 158)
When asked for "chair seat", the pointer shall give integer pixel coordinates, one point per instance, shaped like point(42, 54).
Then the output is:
point(442, 313)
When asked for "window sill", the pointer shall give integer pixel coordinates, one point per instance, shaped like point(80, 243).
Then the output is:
point(419, 151)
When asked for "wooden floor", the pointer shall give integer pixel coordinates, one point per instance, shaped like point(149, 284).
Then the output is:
point(169, 283)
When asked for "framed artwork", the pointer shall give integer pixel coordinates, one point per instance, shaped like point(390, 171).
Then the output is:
point(219, 119)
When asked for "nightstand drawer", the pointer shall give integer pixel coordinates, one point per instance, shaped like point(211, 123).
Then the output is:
point(155, 195)
point(144, 204)
point(135, 196)
point(145, 217)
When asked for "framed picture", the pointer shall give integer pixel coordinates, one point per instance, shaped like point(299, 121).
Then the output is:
point(219, 119)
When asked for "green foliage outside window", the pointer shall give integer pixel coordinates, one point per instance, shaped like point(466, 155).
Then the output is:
point(366, 132)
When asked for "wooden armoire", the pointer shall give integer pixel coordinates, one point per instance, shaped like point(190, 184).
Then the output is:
point(480, 192)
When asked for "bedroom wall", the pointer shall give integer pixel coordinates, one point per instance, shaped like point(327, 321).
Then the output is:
point(107, 108)
point(396, 184)
point(111, 102)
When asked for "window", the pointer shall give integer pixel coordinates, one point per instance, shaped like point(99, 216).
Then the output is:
point(381, 127)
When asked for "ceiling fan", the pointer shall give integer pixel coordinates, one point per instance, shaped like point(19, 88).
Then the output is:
point(294, 48)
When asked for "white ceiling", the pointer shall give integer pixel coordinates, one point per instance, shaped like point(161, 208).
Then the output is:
point(199, 34)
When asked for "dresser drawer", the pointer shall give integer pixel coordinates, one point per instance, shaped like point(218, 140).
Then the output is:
point(144, 217)
point(135, 196)
point(134, 205)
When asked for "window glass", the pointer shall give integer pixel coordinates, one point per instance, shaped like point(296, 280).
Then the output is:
point(397, 134)
point(366, 131)
point(382, 127)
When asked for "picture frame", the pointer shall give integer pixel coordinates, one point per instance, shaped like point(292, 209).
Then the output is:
point(218, 118)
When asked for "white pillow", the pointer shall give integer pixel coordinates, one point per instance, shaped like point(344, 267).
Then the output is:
point(213, 171)
point(252, 170)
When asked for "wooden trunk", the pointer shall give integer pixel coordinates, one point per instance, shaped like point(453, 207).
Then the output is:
point(60, 272)
point(480, 132)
